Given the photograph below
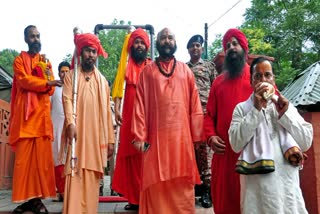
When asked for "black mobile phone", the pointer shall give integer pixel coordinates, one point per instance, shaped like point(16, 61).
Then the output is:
point(146, 146)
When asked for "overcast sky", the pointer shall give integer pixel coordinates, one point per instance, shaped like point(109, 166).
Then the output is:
point(56, 19)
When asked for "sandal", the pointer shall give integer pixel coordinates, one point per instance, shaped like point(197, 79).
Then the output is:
point(131, 207)
point(38, 207)
point(26, 206)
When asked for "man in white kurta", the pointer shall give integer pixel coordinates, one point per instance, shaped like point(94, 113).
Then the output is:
point(277, 192)
point(57, 115)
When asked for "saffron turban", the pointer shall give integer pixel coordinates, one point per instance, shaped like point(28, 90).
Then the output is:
point(89, 40)
point(239, 35)
point(195, 38)
point(138, 33)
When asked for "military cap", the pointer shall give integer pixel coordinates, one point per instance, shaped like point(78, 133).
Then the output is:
point(195, 38)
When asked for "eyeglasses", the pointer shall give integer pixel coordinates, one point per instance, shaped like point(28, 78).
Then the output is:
point(267, 76)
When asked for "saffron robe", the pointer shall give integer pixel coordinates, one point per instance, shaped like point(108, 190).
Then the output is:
point(167, 114)
point(39, 122)
point(93, 113)
point(30, 136)
point(224, 95)
point(94, 132)
point(279, 191)
point(127, 175)
point(179, 200)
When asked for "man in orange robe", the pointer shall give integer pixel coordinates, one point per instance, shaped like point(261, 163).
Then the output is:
point(228, 89)
point(92, 128)
point(127, 175)
point(31, 131)
point(168, 117)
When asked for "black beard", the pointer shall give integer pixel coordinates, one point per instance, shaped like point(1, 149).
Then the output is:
point(234, 63)
point(34, 47)
point(166, 51)
point(138, 56)
point(87, 66)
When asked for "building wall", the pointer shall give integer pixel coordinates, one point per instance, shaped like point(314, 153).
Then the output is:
point(310, 175)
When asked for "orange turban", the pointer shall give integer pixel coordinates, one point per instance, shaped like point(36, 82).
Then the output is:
point(138, 33)
point(89, 40)
point(239, 35)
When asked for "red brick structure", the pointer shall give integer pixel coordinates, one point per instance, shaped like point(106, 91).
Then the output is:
point(310, 175)
point(6, 155)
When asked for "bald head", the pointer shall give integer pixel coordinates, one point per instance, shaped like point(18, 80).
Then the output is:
point(166, 43)
point(165, 33)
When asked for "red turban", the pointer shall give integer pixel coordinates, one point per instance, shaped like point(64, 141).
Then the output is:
point(89, 40)
point(233, 32)
point(138, 33)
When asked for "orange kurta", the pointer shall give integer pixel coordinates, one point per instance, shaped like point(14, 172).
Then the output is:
point(30, 136)
point(94, 131)
point(167, 114)
point(93, 122)
point(39, 122)
point(157, 199)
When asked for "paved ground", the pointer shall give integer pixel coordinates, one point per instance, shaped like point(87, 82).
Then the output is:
point(6, 205)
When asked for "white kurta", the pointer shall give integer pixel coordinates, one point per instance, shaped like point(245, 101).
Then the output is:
point(277, 192)
point(57, 116)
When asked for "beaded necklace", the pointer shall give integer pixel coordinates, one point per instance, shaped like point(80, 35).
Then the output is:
point(162, 71)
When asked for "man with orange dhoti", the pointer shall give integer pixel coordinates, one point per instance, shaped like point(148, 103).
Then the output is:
point(167, 120)
point(127, 175)
point(92, 128)
point(31, 131)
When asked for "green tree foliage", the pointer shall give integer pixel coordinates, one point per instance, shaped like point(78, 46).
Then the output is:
point(6, 59)
point(112, 41)
point(215, 47)
point(255, 37)
point(257, 44)
point(68, 58)
point(292, 28)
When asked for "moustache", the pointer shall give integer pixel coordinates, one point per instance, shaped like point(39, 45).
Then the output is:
point(36, 44)
point(35, 47)
point(166, 46)
point(231, 53)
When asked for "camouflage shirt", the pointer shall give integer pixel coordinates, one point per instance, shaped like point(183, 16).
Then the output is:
point(204, 72)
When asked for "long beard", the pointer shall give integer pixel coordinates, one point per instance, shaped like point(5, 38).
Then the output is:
point(138, 56)
point(35, 47)
point(234, 63)
point(166, 51)
point(87, 66)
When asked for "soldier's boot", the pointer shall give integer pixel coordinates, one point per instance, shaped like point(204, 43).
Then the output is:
point(205, 198)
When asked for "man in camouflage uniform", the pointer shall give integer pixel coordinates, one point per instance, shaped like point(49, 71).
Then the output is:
point(204, 72)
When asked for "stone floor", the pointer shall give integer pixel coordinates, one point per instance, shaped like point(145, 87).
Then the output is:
point(6, 206)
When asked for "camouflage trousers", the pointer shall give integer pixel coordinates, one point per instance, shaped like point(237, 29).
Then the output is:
point(204, 157)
